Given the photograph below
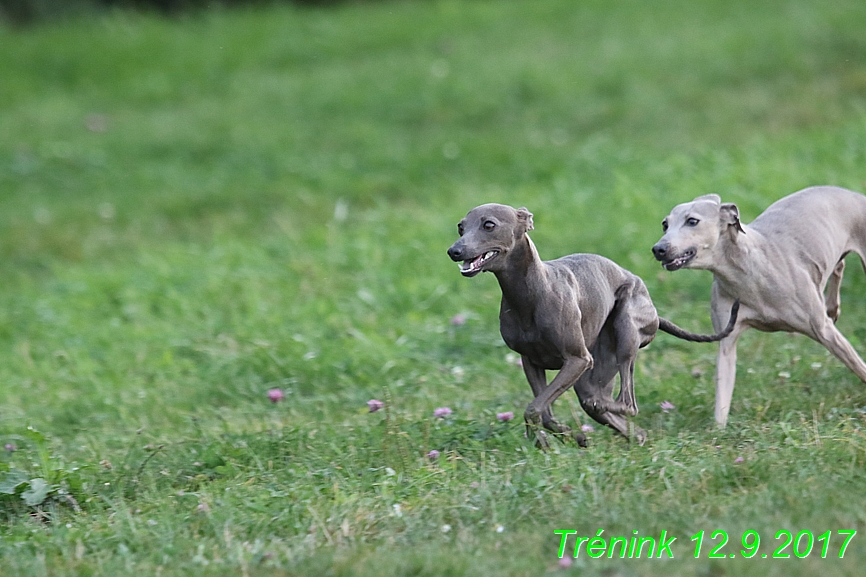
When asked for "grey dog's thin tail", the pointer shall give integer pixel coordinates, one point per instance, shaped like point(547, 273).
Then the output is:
point(672, 329)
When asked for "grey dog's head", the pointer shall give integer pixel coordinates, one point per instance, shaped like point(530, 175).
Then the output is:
point(487, 233)
point(693, 229)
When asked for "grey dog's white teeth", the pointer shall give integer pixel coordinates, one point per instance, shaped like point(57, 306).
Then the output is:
point(469, 265)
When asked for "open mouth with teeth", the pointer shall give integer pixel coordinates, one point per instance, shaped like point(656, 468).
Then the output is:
point(472, 266)
point(680, 261)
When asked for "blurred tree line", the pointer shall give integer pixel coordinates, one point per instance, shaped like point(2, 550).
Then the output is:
point(26, 11)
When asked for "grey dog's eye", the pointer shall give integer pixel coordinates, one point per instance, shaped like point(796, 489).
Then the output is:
point(489, 225)
point(460, 229)
point(692, 221)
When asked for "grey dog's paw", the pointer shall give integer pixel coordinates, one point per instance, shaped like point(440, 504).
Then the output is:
point(610, 406)
point(580, 438)
point(555, 426)
point(541, 441)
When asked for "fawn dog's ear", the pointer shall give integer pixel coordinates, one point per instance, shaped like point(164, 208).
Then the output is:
point(524, 221)
point(729, 216)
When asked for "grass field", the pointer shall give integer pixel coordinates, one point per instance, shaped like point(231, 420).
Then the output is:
point(195, 211)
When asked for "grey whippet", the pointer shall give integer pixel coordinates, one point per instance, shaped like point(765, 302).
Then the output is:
point(777, 267)
point(581, 314)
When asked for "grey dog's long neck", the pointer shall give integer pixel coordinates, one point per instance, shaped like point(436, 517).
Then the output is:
point(737, 256)
point(522, 275)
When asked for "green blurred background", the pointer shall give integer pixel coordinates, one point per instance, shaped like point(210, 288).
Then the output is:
point(201, 205)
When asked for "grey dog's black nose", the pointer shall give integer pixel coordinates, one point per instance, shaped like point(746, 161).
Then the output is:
point(660, 250)
point(455, 253)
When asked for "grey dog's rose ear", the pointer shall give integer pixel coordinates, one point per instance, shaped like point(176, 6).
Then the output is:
point(729, 215)
point(714, 198)
point(524, 217)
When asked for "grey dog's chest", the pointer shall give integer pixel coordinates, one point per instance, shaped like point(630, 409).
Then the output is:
point(539, 341)
point(548, 324)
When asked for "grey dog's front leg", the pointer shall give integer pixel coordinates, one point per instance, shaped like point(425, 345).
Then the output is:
point(726, 364)
point(538, 382)
point(726, 374)
point(535, 413)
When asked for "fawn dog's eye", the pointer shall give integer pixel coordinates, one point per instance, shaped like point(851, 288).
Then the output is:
point(692, 221)
point(489, 225)
point(665, 225)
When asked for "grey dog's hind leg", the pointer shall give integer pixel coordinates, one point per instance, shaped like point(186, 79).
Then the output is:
point(821, 327)
point(831, 297)
point(829, 336)
point(635, 326)
point(595, 387)
point(598, 408)
point(619, 424)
